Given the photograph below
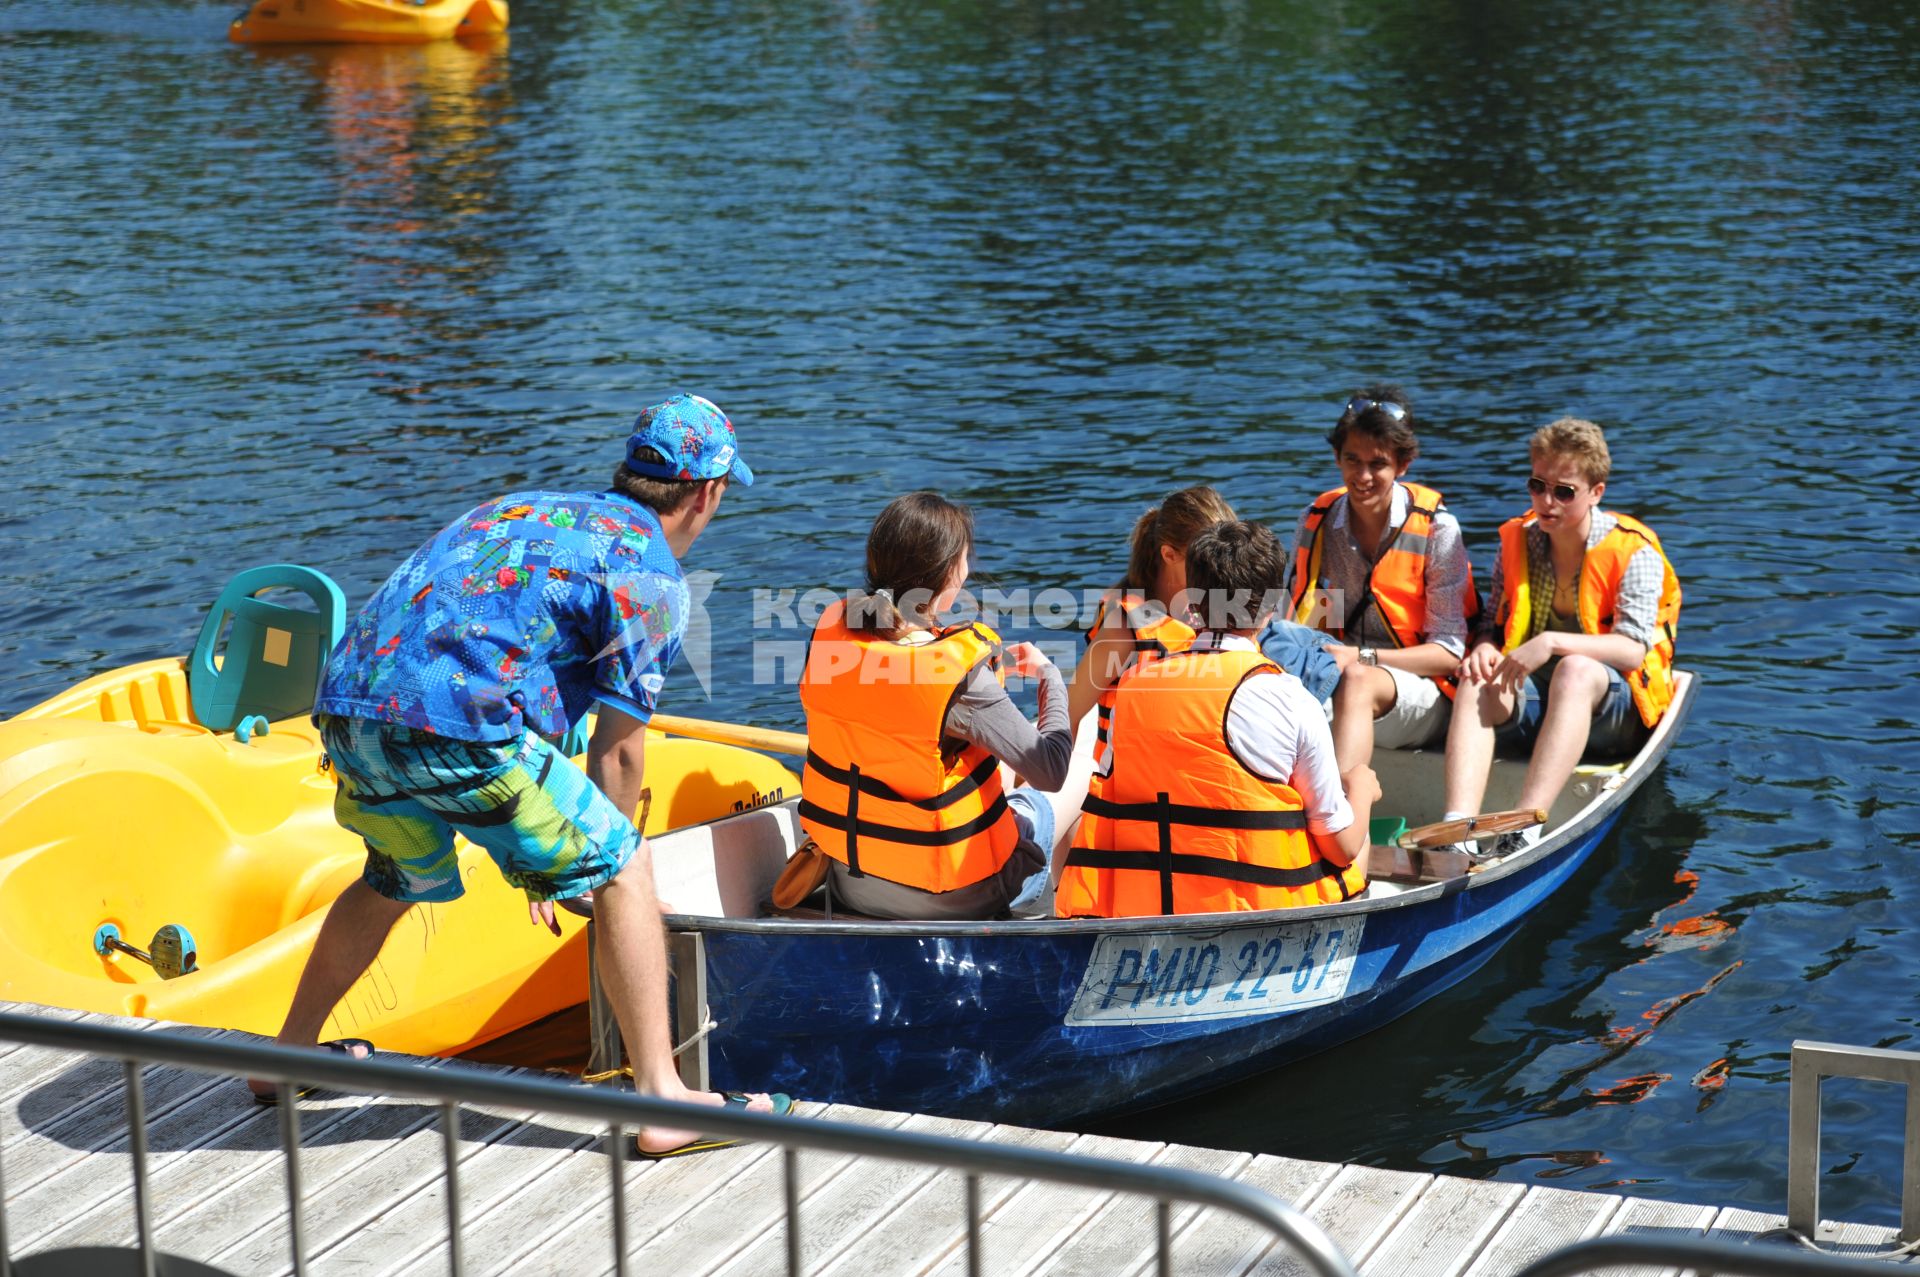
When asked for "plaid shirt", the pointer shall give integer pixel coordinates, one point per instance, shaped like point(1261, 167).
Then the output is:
point(1635, 609)
point(1346, 567)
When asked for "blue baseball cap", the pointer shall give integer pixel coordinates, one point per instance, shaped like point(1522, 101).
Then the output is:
point(693, 435)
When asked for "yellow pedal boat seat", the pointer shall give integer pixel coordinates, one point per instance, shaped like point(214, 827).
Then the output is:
point(118, 807)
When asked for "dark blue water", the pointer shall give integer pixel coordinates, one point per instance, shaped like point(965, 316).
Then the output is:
point(1055, 259)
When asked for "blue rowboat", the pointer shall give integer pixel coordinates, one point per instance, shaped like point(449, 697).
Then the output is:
point(1050, 1022)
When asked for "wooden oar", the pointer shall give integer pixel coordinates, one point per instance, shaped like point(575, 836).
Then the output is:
point(761, 738)
point(1485, 825)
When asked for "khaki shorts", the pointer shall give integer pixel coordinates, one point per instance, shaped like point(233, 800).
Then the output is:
point(1418, 717)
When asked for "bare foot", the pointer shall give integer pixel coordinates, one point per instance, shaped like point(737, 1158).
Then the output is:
point(652, 1141)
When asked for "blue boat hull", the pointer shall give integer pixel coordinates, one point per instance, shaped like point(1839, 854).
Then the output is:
point(1053, 1022)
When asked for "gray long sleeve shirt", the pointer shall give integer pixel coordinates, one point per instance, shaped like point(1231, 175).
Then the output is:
point(985, 715)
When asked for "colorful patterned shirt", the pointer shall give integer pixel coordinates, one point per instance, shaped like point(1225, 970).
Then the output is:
point(517, 617)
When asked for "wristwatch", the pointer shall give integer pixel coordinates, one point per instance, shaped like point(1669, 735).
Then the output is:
point(1369, 657)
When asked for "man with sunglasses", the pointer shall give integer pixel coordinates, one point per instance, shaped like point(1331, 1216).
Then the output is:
point(1579, 658)
point(1380, 566)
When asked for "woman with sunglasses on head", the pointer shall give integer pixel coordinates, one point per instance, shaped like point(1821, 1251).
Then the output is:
point(1580, 657)
point(907, 725)
point(1380, 566)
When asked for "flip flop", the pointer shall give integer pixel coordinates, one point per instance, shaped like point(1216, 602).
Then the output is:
point(339, 1046)
point(782, 1106)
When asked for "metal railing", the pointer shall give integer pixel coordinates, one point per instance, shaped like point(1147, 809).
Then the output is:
point(623, 1111)
point(1812, 1063)
point(1720, 1259)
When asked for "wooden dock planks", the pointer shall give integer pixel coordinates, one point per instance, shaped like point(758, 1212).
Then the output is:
point(534, 1190)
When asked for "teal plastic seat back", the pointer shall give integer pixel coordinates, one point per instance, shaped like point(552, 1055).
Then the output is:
point(274, 654)
point(579, 736)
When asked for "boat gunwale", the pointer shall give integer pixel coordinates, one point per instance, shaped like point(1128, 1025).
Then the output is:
point(1602, 808)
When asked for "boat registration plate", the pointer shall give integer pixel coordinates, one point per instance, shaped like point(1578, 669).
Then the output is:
point(1162, 976)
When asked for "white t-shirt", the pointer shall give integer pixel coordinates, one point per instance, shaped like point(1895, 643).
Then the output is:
point(1281, 733)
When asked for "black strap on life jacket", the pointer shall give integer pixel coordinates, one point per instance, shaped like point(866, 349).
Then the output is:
point(1166, 856)
point(853, 821)
point(1184, 814)
point(873, 830)
point(853, 780)
point(1166, 863)
point(1204, 867)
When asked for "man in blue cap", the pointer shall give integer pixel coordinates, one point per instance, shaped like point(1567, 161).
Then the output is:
point(441, 706)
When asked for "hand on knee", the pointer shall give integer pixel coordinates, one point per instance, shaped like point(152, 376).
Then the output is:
point(1488, 709)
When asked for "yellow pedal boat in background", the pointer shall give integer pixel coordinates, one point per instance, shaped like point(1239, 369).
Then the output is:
point(365, 21)
point(119, 809)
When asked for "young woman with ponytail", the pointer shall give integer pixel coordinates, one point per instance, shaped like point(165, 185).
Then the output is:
point(1141, 619)
point(907, 725)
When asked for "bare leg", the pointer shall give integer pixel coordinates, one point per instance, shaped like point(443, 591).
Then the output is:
point(1477, 709)
point(1072, 794)
point(1578, 686)
point(633, 967)
point(1364, 694)
point(356, 926)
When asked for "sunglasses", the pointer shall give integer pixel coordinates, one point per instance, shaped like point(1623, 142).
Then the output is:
point(1360, 403)
point(1562, 492)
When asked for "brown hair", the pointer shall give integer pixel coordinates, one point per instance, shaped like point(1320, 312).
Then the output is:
point(1234, 574)
point(910, 554)
point(1176, 521)
point(1578, 440)
point(1395, 435)
point(662, 496)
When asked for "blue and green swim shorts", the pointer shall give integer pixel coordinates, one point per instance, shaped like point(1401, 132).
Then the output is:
point(552, 832)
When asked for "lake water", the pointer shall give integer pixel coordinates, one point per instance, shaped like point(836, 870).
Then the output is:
point(308, 304)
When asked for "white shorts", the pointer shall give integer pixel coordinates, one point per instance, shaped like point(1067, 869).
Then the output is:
point(1419, 715)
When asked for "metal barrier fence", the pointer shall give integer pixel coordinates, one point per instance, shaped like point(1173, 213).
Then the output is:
point(623, 1111)
point(1813, 1062)
point(1699, 1256)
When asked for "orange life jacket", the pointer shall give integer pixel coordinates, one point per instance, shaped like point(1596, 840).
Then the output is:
point(1600, 576)
point(877, 793)
point(1179, 825)
point(1156, 633)
point(1398, 583)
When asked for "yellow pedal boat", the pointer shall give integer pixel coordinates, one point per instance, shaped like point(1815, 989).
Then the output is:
point(119, 810)
point(365, 21)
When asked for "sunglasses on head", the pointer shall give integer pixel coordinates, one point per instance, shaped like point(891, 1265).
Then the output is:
point(1360, 403)
point(1562, 492)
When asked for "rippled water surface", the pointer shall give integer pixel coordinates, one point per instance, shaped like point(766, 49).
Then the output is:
point(308, 304)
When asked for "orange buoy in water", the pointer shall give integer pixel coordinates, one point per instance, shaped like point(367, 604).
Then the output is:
point(365, 21)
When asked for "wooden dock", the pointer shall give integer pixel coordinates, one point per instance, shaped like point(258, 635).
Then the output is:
point(535, 1194)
